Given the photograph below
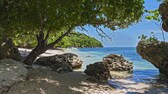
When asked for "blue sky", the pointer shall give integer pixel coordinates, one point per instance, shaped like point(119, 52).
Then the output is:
point(129, 37)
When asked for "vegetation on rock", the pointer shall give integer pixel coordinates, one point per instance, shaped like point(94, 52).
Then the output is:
point(145, 39)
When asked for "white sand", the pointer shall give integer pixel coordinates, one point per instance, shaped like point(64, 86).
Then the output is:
point(24, 52)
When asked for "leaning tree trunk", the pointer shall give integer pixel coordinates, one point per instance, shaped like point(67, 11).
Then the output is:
point(42, 45)
point(34, 54)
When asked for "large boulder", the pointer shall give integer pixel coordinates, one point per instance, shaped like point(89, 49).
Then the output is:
point(98, 70)
point(11, 72)
point(156, 53)
point(61, 63)
point(117, 63)
point(9, 50)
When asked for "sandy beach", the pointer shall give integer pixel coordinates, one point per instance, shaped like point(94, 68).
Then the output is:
point(45, 81)
point(24, 52)
point(42, 80)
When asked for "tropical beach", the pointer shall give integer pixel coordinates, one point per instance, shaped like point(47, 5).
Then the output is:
point(43, 80)
point(83, 47)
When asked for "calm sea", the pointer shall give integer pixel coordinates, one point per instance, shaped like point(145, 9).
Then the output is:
point(142, 69)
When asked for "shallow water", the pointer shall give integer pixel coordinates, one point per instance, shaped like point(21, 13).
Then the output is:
point(144, 76)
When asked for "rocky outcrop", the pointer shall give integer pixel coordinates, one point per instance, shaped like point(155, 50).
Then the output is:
point(156, 53)
point(61, 63)
point(8, 50)
point(163, 11)
point(99, 70)
point(113, 66)
point(11, 72)
point(117, 63)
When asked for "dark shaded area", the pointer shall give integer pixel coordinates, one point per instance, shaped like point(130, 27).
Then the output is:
point(9, 50)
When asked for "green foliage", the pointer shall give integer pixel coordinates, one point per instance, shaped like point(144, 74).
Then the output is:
point(153, 15)
point(44, 18)
point(74, 39)
point(146, 39)
point(18, 16)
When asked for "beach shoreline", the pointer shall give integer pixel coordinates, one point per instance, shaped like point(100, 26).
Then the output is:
point(43, 80)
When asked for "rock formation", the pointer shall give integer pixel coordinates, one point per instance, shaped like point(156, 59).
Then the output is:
point(8, 50)
point(99, 70)
point(112, 66)
point(61, 63)
point(73, 60)
point(156, 53)
point(117, 63)
point(11, 72)
point(163, 11)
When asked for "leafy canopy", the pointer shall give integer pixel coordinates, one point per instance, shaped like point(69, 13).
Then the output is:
point(31, 15)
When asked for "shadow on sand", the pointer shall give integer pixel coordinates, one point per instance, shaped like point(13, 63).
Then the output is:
point(49, 82)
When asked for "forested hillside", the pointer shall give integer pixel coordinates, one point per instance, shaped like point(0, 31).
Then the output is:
point(74, 39)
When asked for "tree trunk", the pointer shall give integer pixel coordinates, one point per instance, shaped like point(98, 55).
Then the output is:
point(42, 46)
point(34, 54)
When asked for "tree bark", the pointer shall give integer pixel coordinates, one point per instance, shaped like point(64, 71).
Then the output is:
point(34, 54)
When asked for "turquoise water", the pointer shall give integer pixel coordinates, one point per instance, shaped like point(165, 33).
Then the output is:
point(142, 69)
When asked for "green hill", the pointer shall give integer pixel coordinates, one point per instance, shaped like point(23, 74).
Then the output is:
point(79, 40)
point(74, 39)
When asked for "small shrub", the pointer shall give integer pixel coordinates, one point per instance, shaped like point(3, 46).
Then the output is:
point(146, 39)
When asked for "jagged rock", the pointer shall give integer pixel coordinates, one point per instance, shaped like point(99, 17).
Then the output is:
point(156, 53)
point(163, 11)
point(73, 60)
point(117, 63)
point(99, 70)
point(11, 72)
point(9, 50)
point(61, 63)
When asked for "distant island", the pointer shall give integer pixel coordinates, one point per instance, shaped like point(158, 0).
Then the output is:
point(74, 39)
point(79, 40)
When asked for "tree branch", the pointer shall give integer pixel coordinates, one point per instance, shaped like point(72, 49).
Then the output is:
point(42, 27)
point(47, 35)
point(102, 34)
point(83, 29)
point(51, 45)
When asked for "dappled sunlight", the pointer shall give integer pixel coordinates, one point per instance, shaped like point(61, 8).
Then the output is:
point(126, 86)
point(43, 81)
point(93, 88)
point(47, 80)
